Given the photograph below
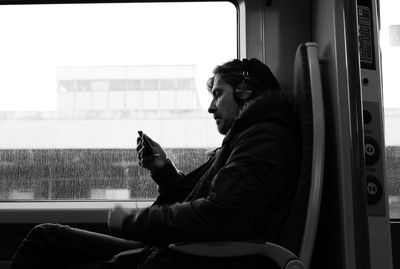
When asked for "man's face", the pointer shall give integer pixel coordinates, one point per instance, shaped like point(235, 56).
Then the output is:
point(223, 106)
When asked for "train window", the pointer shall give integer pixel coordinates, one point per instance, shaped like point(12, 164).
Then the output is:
point(390, 45)
point(77, 81)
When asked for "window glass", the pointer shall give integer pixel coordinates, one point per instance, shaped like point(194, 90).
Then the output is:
point(390, 46)
point(77, 81)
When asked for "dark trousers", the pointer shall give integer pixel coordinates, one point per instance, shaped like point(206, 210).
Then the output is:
point(60, 246)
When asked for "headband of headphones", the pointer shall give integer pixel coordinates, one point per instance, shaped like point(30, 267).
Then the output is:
point(246, 67)
point(254, 78)
point(244, 90)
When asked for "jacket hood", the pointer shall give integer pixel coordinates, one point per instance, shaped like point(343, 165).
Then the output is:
point(272, 106)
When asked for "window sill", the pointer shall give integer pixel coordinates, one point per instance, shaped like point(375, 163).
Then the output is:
point(62, 211)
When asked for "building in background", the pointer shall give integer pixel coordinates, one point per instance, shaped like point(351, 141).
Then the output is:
point(127, 88)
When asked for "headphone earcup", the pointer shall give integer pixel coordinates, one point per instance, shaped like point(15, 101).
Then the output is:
point(243, 91)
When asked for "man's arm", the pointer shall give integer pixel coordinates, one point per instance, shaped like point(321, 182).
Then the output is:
point(240, 193)
point(154, 158)
point(173, 186)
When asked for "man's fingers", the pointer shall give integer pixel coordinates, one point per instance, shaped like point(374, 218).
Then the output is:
point(151, 141)
point(139, 151)
point(149, 159)
point(139, 141)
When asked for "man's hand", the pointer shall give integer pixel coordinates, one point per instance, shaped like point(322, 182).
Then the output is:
point(150, 154)
point(115, 218)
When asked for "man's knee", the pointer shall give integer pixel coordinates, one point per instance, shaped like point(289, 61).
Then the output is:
point(46, 231)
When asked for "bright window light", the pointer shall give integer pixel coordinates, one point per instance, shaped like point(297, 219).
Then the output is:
point(390, 47)
point(77, 81)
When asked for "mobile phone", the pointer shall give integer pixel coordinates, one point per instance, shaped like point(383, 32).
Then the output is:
point(147, 148)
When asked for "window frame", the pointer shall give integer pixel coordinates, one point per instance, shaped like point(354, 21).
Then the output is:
point(251, 43)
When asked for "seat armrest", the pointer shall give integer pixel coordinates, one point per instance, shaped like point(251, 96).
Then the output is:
point(280, 255)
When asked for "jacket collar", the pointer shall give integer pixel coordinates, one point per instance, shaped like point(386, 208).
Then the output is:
point(274, 107)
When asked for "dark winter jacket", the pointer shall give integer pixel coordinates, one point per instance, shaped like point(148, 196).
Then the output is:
point(243, 192)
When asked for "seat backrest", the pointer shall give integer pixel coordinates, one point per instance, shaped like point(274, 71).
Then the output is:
point(301, 226)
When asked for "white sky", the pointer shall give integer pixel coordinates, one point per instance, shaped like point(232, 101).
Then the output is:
point(390, 10)
point(35, 39)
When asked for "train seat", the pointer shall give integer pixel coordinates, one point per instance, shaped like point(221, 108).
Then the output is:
point(294, 250)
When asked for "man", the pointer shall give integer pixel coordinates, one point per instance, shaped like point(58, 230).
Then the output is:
point(243, 192)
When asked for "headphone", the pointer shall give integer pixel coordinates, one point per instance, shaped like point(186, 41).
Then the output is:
point(244, 90)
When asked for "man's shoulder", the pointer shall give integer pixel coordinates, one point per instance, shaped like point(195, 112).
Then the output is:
point(263, 133)
point(267, 128)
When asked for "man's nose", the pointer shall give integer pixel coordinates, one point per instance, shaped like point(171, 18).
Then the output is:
point(212, 108)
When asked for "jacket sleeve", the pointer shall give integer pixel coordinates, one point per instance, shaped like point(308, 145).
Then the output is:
point(168, 175)
point(173, 185)
point(240, 192)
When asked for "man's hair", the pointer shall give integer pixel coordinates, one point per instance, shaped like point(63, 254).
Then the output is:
point(260, 76)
